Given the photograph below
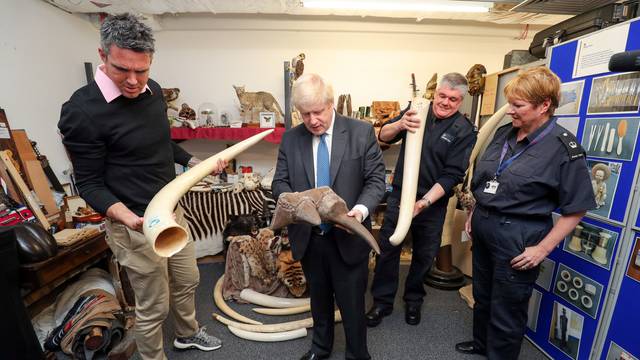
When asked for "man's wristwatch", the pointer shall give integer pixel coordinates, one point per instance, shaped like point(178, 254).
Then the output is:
point(426, 199)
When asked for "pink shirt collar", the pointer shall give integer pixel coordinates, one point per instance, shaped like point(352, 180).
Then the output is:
point(107, 87)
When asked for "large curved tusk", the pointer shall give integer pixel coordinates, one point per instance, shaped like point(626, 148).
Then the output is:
point(257, 298)
point(268, 337)
point(484, 136)
point(283, 311)
point(162, 232)
point(222, 305)
point(272, 328)
point(410, 172)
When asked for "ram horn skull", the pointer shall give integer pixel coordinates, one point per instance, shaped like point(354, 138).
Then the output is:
point(316, 206)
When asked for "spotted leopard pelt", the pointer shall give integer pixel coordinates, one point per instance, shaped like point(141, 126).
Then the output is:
point(251, 262)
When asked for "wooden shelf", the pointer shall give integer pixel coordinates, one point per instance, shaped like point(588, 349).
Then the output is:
point(228, 134)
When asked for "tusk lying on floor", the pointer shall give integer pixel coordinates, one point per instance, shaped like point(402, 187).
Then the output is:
point(283, 311)
point(222, 305)
point(268, 337)
point(272, 328)
point(257, 298)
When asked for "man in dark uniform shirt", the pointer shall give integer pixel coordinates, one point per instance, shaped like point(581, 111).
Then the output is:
point(448, 140)
point(532, 167)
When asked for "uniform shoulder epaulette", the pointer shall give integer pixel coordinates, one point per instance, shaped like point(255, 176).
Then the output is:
point(574, 149)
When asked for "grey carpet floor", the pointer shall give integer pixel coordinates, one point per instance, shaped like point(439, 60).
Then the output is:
point(446, 320)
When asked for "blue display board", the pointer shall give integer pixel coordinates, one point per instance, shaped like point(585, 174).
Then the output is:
point(573, 283)
point(567, 305)
point(624, 335)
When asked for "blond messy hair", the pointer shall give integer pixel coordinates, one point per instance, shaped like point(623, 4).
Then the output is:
point(309, 90)
point(535, 86)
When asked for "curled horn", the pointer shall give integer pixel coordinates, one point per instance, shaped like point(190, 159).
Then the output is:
point(331, 208)
point(412, 151)
point(162, 232)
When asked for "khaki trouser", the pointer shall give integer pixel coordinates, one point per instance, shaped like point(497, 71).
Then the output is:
point(160, 285)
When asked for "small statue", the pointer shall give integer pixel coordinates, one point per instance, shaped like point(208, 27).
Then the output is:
point(187, 113)
point(430, 92)
point(170, 95)
point(475, 79)
point(600, 173)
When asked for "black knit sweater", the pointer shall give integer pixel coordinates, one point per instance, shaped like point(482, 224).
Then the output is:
point(121, 151)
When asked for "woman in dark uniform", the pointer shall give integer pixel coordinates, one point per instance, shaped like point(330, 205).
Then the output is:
point(532, 167)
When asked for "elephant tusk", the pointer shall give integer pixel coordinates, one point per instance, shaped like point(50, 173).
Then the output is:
point(410, 172)
point(283, 311)
point(257, 298)
point(162, 232)
point(222, 305)
point(484, 136)
point(268, 337)
point(273, 328)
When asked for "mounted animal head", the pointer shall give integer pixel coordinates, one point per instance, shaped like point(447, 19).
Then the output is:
point(317, 206)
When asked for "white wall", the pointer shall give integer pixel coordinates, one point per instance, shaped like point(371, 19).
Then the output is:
point(369, 60)
point(42, 51)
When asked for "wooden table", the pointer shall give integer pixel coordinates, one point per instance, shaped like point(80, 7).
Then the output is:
point(43, 278)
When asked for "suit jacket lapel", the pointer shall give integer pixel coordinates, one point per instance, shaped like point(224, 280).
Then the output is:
point(338, 146)
point(307, 158)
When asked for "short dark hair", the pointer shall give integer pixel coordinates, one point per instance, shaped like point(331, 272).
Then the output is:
point(126, 31)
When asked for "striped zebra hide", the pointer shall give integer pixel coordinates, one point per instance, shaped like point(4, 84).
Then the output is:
point(207, 213)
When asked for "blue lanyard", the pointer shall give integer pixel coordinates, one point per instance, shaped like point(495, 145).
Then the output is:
point(503, 165)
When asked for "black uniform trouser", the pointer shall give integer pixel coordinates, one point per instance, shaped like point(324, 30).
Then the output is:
point(502, 293)
point(328, 276)
point(426, 234)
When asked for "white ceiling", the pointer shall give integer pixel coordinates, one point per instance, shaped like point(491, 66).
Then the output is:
point(157, 9)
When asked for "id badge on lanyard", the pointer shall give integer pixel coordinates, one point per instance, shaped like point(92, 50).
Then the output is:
point(491, 187)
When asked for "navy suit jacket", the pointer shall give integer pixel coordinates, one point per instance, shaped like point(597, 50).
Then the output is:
point(357, 175)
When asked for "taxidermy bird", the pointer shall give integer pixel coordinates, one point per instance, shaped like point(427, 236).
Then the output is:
point(429, 93)
point(297, 64)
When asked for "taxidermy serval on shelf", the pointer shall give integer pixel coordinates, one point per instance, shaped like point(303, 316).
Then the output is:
point(260, 101)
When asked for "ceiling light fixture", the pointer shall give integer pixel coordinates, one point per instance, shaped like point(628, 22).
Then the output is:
point(419, 6)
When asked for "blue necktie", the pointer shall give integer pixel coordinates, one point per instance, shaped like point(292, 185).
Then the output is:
point(323, 174)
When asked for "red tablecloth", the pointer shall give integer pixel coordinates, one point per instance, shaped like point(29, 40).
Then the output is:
point(233, 134)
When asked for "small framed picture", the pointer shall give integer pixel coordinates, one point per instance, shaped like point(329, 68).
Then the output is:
point(74, 202)
point(267, 119)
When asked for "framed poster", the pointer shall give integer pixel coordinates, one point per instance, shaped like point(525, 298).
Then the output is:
point(570, 98)
point(615, 94)
point(565, 332)
point(610, 138)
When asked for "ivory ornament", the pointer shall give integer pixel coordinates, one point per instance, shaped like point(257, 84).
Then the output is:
point(410, 172)
point(162, 232)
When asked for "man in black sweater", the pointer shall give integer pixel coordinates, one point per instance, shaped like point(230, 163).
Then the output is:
point(448, 140)
point(117, 134)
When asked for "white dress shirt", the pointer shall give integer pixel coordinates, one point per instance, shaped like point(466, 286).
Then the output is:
point(328, 140)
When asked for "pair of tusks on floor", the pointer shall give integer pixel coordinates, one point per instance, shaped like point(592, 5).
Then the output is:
point(317, 206)
point(160, 229)
point(411, 169)
point(253, 330)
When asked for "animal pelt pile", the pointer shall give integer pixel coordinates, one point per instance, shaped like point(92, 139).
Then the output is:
point(262, 262)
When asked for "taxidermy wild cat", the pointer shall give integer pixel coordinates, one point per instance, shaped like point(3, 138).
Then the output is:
point(261, 101)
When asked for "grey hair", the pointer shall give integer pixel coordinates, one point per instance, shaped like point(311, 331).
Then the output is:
point(311, 89)
point(455, 81)
point(126, 31)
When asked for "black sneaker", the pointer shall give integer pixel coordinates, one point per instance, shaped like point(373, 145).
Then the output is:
point(201, 341)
